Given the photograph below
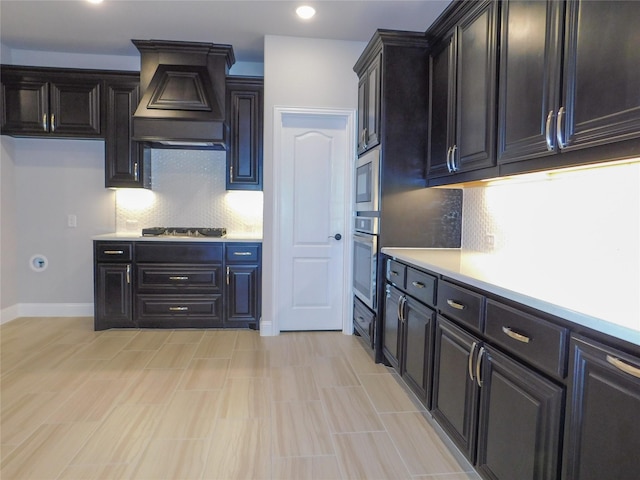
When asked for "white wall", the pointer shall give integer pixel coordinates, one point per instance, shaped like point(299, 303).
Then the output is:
point(8, 235)
point(299, 72)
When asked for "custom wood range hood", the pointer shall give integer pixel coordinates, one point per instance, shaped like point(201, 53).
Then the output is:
point(182, 94)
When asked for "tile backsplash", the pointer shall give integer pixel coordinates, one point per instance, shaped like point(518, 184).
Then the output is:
point(188, 190)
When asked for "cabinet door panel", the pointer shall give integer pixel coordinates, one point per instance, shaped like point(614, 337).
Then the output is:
point(519, 424)
point(476, 82)
point(374, 78)
point(26, 106)
point(603, 414)
point(418, 347)
point(127, 163)
point(529, 79)
point(243, 294)
point(113, 296)
point(75, 108)
point(601, 72)
point(441, 98)
point(455, 394)
point(391, 326)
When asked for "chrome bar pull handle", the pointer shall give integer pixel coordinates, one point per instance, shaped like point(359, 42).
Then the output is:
point(515, 335)
point(547, 131)
point(53, 122)
point(245, 254)
point(470, 364)
point(178, 277)
point(128, 274)
point(456, 305)
point(179, 309)
point(623, 366)
point(449, 169)
point(478, 364)
point(135, 171)
point(228, 274)
point(113, 252)
point(418, 284)
point(45, 126)
point(559, 120)
point(454, 167)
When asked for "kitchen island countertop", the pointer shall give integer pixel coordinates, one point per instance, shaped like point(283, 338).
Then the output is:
point(577, 292)
point(136, 237)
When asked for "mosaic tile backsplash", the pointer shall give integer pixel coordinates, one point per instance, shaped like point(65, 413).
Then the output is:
point(584, 213)
point(188, 190)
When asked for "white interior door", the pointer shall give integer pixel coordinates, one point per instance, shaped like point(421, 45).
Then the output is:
point(313, 154)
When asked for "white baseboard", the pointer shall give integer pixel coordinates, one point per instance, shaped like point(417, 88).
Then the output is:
point(266, 328)
point(46, 310)
point(8, 314)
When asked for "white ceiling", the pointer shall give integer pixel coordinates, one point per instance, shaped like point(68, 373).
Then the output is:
point(77, 26)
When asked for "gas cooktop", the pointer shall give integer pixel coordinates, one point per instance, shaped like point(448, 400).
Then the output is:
point(183, 232)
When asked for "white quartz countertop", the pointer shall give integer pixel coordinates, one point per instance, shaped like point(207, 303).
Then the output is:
point(136, 237)
point(608, 303)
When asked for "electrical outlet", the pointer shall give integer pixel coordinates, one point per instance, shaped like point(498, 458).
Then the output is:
point(72, 221)
point(490, 241)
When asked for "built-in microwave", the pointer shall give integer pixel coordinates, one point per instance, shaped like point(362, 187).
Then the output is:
point(367, 177)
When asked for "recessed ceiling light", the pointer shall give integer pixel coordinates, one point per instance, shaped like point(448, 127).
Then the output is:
point(94, 1)
point(305, 12)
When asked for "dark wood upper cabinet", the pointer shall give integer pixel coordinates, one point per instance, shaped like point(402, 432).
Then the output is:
point(463, 71)
point(51, 102)
point(601, 74)
point(369, 92)
point(571, 82)
point(529, 83)
point(127, 163)
point(245, 118)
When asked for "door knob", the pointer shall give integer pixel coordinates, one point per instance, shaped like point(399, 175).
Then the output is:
point(337, 236)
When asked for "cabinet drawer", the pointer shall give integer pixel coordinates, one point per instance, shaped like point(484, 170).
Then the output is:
point(168, 311)
point(461, 304)
point(179, 252)
point(113, 252)
point(396, 273)
point(241, 253)
point(363, 320)
point(421, 285)
point(179, 277)
point(541, 343)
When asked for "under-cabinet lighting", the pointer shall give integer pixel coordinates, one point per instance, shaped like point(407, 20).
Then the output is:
point(136, 199)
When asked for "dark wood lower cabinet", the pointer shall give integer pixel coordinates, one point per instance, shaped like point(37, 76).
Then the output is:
point(417, 347)
point(113, 296)
point(519, 421)
point(505, 417)
point(243, 286)
point(455, 392)
point(391, 326)
point(177, 284)
point(602, 438)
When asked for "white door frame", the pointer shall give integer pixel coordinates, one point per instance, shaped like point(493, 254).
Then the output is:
point(279, 113)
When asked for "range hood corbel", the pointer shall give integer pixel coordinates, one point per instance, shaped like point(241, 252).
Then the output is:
point(182, 94)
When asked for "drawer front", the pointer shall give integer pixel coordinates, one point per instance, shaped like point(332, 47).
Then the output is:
point(422, 286)
point(179, 278)
point(538, 342)
point(113, 251)
point(167, 311)
point(363, 320)
point(461, 304)
point(396, 273)
point(179, 252)
point(242, 252)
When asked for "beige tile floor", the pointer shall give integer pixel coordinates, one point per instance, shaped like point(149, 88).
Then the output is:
point(206, 404)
